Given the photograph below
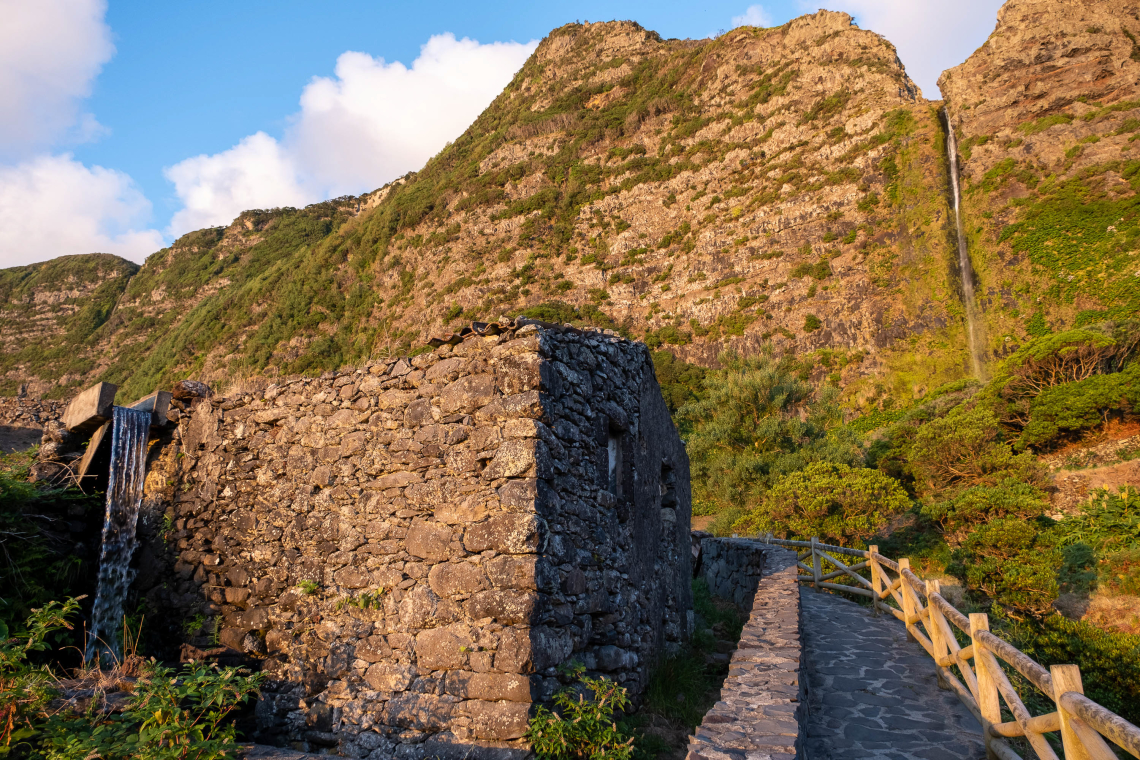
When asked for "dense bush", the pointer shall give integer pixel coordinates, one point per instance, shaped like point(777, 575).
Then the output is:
point(966, 448)
point(1013, 563)
point(839, 504)
point(1109, 661)
point(680, 382)
point(1108, 521)
point(1070, 408)
point(25, 687)
point(38, 557)
point(169, 717)
point(977, 505)
point(755, 422)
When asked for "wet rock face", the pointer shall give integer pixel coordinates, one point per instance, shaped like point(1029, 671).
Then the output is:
point(411, 548)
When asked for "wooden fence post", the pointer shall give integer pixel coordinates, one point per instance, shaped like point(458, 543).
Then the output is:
point(907, 595)
point(1068, 678)
point(937, 636)
point(876, 579)
point(989, 703)
point(815, 563)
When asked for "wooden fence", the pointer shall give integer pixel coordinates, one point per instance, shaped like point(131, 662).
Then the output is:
point(980, 681)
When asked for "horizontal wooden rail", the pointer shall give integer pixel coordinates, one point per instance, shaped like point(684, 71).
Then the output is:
point(976, 672)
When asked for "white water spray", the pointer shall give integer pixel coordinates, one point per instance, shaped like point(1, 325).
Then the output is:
point(964, 265)
point(130, 429)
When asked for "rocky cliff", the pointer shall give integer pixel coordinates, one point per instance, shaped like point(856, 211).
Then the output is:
point(1046, 114)
point(785, 187)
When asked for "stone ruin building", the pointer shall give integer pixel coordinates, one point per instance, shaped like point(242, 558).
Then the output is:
point(412, 548)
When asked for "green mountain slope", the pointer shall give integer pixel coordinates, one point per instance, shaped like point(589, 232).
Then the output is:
point(783, 187)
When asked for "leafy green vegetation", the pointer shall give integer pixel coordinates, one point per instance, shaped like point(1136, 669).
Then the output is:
point(834, 502)
point(581, 727)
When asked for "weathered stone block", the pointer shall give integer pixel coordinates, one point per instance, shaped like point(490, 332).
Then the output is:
point(467, 394)
point(506, 533)
point(158, 404)
point(506, 606)
point(451, 578)
point(492, 687)
point(497, 720)
point(91, 408)
point(444, 648)
point(429, 540)
point(389, 676)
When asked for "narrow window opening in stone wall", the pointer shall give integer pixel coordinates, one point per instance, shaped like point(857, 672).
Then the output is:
point(668, 486)
point(613, 450)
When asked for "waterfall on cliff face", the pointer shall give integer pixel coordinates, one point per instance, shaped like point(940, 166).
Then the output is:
point(130, 430)
point(977, 357)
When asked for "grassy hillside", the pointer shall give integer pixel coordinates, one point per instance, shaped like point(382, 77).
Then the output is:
point(783, 188)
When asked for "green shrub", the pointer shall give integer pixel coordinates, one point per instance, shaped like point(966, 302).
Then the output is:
point(680, 381)
point(1118, 572)
point(839, 504)
point(812, 323)
point(1107, 522)
point(1109, 661)
point(1013, 562)
point(1071, 408)
point(582, 727)
point(980, 504)
point(25, 688)
point(170, 716)
point(963, 449)
point(755, 422)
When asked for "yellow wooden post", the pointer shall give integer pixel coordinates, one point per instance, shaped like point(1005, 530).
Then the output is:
point(989, 702)
point(937, 636)
point(907, 595)
point(815, 563)
point(876, 578)
point(1068, 678)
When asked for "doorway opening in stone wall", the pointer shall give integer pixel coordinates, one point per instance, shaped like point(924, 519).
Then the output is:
point(685, 686)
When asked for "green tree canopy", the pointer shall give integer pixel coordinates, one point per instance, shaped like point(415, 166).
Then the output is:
point(837, 503)
point(755, 423)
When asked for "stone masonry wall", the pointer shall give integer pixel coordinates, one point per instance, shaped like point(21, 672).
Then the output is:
point(760, 714)
point(412, 547)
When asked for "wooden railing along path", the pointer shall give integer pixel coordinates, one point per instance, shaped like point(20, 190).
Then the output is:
point(981, 682)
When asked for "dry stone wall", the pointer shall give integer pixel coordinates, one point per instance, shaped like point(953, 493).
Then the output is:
point(411, 548)
point(761, 711)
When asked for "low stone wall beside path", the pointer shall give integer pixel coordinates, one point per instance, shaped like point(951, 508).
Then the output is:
point(762, 703)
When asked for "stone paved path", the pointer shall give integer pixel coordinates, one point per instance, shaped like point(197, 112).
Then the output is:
point(873, 694)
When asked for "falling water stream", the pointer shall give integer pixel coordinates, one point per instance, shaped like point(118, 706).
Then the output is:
point(964, 265)
point(130, 429)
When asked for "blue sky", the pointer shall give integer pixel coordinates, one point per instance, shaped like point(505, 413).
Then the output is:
point(137, 121)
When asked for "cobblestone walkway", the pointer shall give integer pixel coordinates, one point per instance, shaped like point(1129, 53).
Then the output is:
point(873, 694)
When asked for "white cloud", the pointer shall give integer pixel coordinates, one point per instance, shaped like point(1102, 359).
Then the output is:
point(54, 206)
point(50, 53)
point(255, 173)
point(370, 123)
point(756, 15)
point(930, 35)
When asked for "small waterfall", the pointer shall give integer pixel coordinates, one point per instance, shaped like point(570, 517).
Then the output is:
point(964, 265)
point(130, 429)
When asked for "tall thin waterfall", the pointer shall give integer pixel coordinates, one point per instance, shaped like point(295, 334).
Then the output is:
point(964, 265)
point(130, 429)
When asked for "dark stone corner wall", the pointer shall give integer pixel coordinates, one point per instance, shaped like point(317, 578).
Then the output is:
point(761, 713)
point(409, 549)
